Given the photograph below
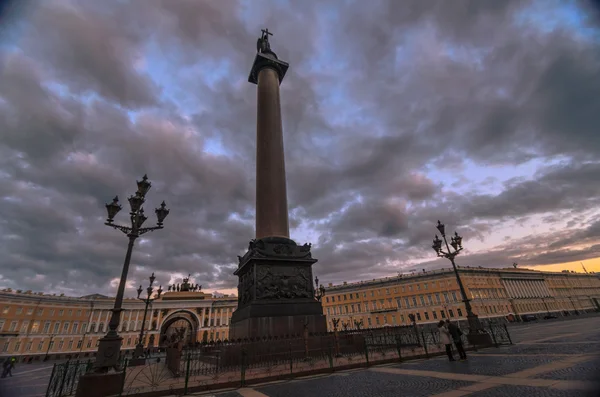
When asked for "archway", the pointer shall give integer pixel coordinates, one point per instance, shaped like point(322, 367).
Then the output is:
point(179, 325)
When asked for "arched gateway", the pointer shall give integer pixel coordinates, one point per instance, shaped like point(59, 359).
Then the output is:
point(181, 324)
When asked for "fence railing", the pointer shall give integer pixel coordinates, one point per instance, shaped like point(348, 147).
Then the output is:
point(234, 364)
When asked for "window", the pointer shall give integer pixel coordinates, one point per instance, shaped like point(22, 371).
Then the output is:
point(83, 328)
point(358, 307)
point(60, 345)
point(61, 312)
point(70, 344)
point(5, 310)
point(372, 293)
point(387, 291)
point(75, 327)
point(410, 287)
point(329, 311)
point(79, 343)
point(19, 310)
point(437, 298)
point(459, 312)
point(333, 298)
point(418, 316)
point(52, 312)
point(422, 299)
point(327, 299)
point(89, 344)
point(443, 313)
point(24, 326)
point(66, 328)
point(70, 313)
point(13, 326)
point(434, 315)
point(407, 303)
point(454, 296)
point(17, 346)
point(402, 317)
point(35, 328)
point(446, 297)
point(393, 319)
point(430, 299)
point(345, 298)
point(369, 321)
point(40, 312)
point(450, 312)
point(78, 313)
point(377, 320)
point(414, 300)
point(399, 303)
point(40, 346)
point(425, 285)
point(426, 316)
point(364, 294)
point(30, 310)
point(101, 326)
point(418, 287)
point(28, 346)
point(1, 324)
point(56, 327)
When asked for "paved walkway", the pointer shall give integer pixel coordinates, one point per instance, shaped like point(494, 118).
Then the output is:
point(549, 359)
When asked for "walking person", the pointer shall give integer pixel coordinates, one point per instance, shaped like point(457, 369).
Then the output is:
point(456, 334)
point(445, 339)
point(5, 366)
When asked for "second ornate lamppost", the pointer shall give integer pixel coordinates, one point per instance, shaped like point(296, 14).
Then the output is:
point(476, 335)
point(139, 348)
point(319, 290)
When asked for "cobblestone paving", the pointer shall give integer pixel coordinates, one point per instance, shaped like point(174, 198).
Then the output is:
point(588, 371)
point(518, 391)
point(546, 359)
point(481, 365)
point(363, 384)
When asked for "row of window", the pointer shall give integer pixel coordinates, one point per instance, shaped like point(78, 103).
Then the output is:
point(406, 302)
point(400, 318)
point(387, 291)
point(40, 311)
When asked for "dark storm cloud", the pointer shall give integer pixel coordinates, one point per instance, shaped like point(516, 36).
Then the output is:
point(379, 97)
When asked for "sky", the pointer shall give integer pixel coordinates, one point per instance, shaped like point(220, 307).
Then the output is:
point(483, 114)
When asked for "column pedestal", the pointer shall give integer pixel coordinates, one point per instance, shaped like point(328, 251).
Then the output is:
point(276, 295)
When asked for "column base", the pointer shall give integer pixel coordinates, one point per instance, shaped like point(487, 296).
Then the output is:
point(100, 385)
point(107, 357)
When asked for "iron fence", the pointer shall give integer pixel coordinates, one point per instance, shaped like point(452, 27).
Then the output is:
point(234, 364)
point(65, 377)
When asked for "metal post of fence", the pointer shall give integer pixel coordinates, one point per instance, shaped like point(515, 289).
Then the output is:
point(493, 335)
point(243, 368)
point(508, 334)
point(330, 354)
point(62, 382)
point(291, 360)
point(424, 344)
point(366, 351)
point(124, 374)
point(399, 347)
point(50, 382)
point(187, 374)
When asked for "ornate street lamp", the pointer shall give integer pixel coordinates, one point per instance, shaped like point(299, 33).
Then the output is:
point(110, 345)
point(319, 290)
point(139, 348)
point(476, 334)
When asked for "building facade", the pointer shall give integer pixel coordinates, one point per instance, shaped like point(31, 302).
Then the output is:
point(434, 295)
point(40, 326)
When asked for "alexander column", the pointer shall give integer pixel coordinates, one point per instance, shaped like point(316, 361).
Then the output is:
point(275, 291)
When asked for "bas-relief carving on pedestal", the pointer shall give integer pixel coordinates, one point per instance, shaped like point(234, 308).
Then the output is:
point(245, 284)
point(283, 283)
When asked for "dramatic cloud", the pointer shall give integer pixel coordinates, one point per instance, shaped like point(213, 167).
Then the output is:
point(481, 113)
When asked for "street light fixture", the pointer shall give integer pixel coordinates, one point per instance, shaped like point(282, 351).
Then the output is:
point(319, 290)
point(476, 333)
point(139, 348)
point(110, 345)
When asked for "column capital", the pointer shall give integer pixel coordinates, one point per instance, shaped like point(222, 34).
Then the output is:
point(262, 61)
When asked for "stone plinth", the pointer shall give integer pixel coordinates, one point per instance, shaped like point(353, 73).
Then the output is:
point(100, 385)
point(276, 294)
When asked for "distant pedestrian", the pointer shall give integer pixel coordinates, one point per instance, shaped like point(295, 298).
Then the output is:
point(456, 334)
point(445, 339)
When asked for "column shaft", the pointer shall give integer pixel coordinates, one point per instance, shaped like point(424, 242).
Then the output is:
point(271, 193)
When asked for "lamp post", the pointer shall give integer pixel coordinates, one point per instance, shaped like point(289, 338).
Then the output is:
point(476, 334)
point(110, 345)
point(319, 290)
point(139, 348)
point(49, 347)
